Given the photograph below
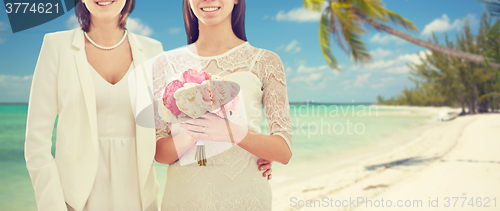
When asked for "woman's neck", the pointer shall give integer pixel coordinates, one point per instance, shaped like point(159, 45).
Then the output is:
point(216, 39)
point(106, 33)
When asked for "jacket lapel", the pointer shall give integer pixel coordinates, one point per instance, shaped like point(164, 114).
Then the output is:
point(86, 83)
point(145, 136)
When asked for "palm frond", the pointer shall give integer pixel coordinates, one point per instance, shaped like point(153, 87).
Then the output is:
point(335, 30)
point(493, 6)
point(375, 10)
point(314, 5)
point(351, 30)
point(488, 95)
point(400, 20)
point(324, 40)
point(370, 8)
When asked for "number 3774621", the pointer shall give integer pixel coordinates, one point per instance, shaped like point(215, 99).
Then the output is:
point(31, 8)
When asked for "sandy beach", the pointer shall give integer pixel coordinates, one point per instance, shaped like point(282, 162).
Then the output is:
point(458, 158)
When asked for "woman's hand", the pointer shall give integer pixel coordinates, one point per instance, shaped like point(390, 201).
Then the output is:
point(266, 166)
point(214, 128)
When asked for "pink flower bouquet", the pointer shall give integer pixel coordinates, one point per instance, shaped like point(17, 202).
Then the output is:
point(194, 93)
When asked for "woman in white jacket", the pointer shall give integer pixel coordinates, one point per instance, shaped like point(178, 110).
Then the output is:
point(103, 160)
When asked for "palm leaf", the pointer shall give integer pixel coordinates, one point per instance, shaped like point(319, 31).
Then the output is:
point(489, 95)
point(400, 20)
point(384, 15)
point(351, 30)
point(324, 40)
point(334, 27)
point(314, 5)
point(370, 8)
point(493, 6)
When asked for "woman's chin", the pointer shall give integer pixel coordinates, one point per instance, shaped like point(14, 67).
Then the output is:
point(212, 21)
point(106, 17)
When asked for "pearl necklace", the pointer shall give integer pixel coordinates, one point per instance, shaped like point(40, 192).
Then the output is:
point(106, 48)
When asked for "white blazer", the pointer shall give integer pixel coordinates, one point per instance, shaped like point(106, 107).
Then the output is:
point(62, 85)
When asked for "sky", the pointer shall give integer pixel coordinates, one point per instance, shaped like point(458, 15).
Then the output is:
point(282, 26)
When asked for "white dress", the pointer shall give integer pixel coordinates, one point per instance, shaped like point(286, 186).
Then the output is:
point(231, 180)
point(116, 186)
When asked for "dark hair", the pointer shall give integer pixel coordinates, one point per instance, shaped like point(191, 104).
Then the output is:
point(83, 14)
point(237, 20)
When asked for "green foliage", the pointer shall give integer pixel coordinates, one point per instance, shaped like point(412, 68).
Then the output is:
point(324, 40)
point(343, 20)
point(443, 80)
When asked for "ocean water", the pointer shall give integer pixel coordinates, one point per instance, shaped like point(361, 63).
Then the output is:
point(318, 131)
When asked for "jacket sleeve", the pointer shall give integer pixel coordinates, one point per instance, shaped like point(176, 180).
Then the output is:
point(42, 111)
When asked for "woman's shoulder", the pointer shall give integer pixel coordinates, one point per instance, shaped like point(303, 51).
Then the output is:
point(267, 56)
point(61, 36)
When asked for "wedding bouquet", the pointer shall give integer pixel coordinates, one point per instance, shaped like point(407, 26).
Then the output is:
point(193, 93)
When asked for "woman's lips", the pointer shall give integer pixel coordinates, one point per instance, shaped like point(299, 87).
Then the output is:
point(210, 9)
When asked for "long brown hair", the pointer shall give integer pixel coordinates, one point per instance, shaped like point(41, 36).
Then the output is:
point(237, 20)
point(83, 14)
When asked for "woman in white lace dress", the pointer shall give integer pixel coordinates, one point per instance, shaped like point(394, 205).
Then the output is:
point(230, 181)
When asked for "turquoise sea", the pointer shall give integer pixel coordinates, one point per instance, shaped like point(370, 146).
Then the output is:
point(319, 131)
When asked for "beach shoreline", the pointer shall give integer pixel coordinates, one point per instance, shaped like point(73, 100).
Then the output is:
point(370, 176)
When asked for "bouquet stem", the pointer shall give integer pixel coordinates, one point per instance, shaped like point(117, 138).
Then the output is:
point(200, 153)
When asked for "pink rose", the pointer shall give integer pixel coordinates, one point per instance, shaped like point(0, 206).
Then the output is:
point(192, 76)
point(168, 97)
point(206, 97)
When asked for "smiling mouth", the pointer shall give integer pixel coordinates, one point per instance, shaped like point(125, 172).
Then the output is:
point(104, 3)
point(210, 9)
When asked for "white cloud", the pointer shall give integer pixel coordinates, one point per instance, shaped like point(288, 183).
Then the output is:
point(7, 78)
point(299, 15)
point(72, 22)
point(399, 70)
point(174, 30)
point(374, 86)
point(15, 88)
point(309, 78)
point(4, 26)
point(361, 79)
point(380, 53)
point(384, 81)
point(443, 24)
point(293, 47)
point(386, 39)
point(397, 65)
point(311, 75)
point(304, 69)
point(136, 26)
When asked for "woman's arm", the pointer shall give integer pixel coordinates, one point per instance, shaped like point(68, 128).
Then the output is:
point(269, 147)
point(169, 149)
point(278, 145)
point(42, 111)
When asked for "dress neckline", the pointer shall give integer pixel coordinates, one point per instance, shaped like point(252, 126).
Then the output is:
point(217, 56)
point(106, 81)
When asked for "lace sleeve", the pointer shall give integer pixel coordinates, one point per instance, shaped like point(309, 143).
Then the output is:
point(159, 84)
point(275, 97)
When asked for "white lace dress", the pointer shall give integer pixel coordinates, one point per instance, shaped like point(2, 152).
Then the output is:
point(231, 180)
